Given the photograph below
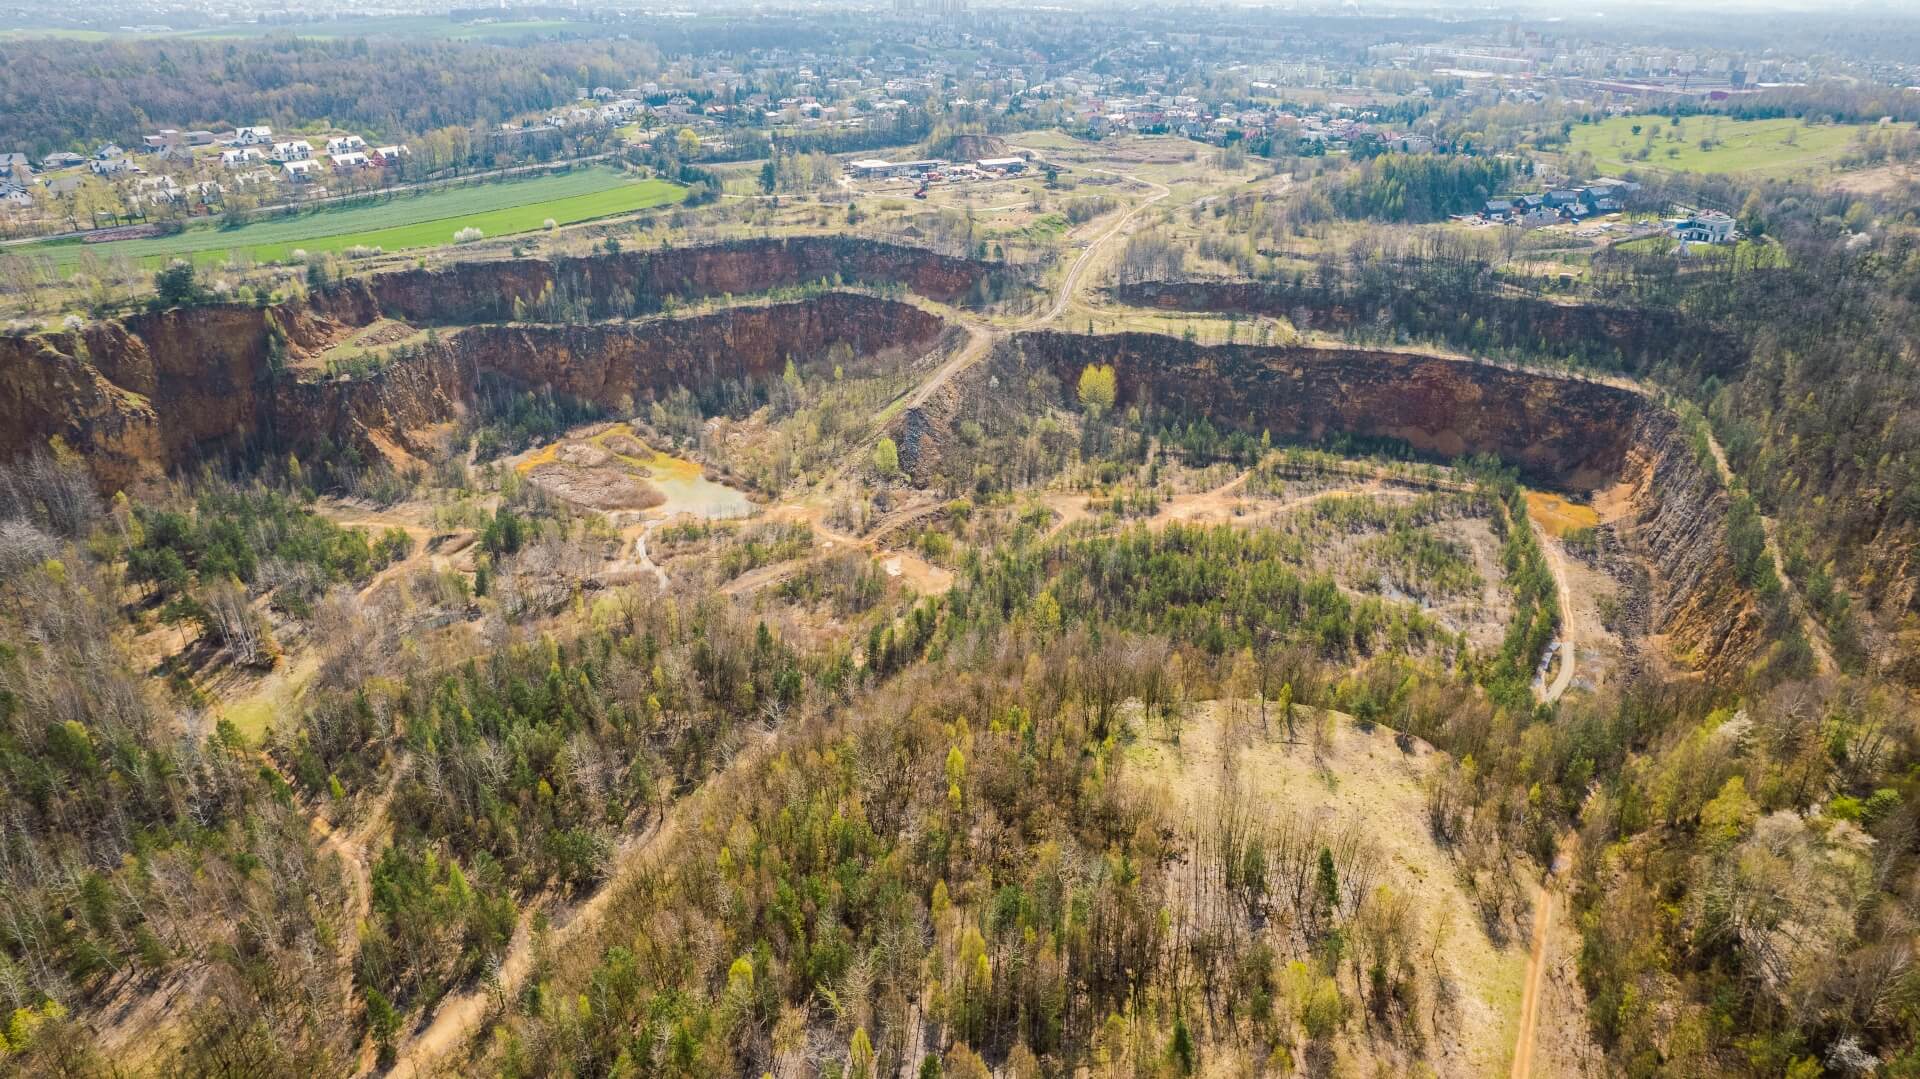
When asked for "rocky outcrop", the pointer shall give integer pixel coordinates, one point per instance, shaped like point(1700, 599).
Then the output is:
point(142, 398)
point(1712, 622)
point(611, 362)
point(1562, 432)
point(1634, 339)
point(147, 394)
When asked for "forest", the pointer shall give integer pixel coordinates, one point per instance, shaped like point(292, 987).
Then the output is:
point(1419, 187)
point(386, 88)
point(959, 755)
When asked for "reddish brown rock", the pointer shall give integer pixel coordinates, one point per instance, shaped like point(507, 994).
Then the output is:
point(1561, 431)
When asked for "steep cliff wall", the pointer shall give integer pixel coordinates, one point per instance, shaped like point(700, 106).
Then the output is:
point(1564, 432)
point(1560, 431)
point(607, 362)
point(1679, 522)
point(146, 394)
point(1633, 339)
point(143, 397)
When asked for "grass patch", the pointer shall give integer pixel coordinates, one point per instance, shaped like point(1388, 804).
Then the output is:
point(428, 219)
point(1712, 144)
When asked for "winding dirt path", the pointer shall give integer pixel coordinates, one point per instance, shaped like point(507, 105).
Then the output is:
point(984, 336)
point(1536, 977)
point(645, 561)
point(1526, 1042)
point(460, 1017)
point(1071, 285)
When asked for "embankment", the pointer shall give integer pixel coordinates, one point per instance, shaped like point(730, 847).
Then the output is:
point(142, 396)
point(138, 400)
point(1569, 433)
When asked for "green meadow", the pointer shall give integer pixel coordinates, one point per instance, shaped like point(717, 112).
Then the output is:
point(428, 219)
point(1712, 144)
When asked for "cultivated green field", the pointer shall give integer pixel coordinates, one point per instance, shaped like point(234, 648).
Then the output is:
point(408, 221)
point(1712, 144)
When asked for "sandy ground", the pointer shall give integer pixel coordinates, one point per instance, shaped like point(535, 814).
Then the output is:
point(1365, 779)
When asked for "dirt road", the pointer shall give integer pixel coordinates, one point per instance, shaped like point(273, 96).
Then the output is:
point(1072, 283)
point(982, 336)
point(461, 1016)
point(1557, 562)
point(1536, 977)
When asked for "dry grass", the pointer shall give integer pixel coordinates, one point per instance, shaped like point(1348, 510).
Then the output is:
point(1361, 778)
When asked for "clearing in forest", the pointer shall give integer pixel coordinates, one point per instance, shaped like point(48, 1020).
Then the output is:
point(1347, 777)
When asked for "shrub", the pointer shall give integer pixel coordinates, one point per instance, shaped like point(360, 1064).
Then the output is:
point(468, 235)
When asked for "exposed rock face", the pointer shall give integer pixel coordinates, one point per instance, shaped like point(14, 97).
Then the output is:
point(152, 393)
point(147, 394)
point(1636, 338)
point(607, 362)
point(199, 381)
point(1679, 522)
point(1561, 431)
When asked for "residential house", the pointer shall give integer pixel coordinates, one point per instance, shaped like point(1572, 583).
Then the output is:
point(107, 152)
point(1707, 227)
point(112, 166)
point(296, 150)
point(241, 157)
point(1538, 218)
point(252, 136)
point(389, 155)
point(301, 172)
point(12, 161)
point(1607, 191)
point(62, 159)
point(15, 196)
point(154, 191)
point(345, 144)
point(349, 162)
